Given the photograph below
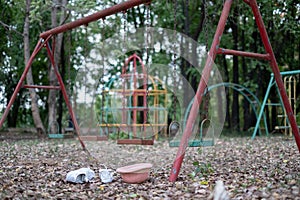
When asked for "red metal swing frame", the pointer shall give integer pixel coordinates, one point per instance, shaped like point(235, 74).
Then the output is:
point(214, 50)
point(44, 42)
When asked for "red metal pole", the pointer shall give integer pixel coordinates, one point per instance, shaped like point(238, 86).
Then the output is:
point(242, 53)
point(37, 48)
point(64, 92)
point(202, 85)
point(94, 17)
point(42, 87)
point(275, 69)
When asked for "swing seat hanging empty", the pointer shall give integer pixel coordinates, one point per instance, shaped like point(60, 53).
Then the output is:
point(201, 140)
point(135, 88)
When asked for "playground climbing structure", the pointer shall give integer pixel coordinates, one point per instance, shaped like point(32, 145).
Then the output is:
point(135, 103)
point(46, 37)
point(290, 82)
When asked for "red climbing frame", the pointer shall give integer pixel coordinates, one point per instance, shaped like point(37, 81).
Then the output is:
point(214, 50)
point(44, 42)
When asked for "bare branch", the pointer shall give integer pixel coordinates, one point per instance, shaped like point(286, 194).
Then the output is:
point(68, 14)
point(9, 28)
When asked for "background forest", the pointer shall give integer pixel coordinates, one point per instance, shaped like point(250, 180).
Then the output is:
point(21, 22)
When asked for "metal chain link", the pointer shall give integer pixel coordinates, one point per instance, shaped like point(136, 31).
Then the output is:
point(102, 78)
point(124, 51)
point(85, 69)
point(205, 24)
point(148, 23)
point(206, 106)
point(124, 29)
point(69, 63)
point(174, 61)
point(148, 41)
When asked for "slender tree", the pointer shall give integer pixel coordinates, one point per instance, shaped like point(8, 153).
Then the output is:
point(34, 105)
point(58, 8)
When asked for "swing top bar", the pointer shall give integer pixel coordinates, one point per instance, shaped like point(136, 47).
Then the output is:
point(122, 7)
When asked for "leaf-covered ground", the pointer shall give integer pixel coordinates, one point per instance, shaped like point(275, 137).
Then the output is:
point(266, 168)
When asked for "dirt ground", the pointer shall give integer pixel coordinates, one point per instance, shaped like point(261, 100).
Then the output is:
point(266, 168)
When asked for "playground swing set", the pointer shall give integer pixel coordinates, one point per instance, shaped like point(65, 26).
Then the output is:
point(175, 127)
point(45, 38)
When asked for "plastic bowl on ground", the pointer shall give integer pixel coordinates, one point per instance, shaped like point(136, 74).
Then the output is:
point(136, 173)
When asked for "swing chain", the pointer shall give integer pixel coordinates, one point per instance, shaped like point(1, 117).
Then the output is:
point(148, 23)
point(69, 63)
point(205, 24)
point(85, 69)
point(124, 17)
point(207, 96)
point(174, 61)
point(102, 78)
point(205, 113)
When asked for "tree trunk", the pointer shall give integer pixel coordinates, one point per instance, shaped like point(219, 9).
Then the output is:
point(52, 123)
point(34, 105)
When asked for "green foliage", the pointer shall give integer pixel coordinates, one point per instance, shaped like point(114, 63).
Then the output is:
point(201, 169)
point(281, 19)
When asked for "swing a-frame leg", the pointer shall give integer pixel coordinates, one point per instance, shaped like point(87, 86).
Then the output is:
point(214, 50)
point(44, 42)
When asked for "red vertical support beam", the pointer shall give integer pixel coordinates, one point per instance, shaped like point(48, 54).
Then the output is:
point(64, 92)
point(37, 48)
point(275, 69)
point(201, 87)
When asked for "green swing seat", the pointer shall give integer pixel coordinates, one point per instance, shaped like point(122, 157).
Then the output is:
point(174, 128)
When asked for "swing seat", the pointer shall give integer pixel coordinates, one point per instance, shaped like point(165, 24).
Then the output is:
point(175, 126)
point(69, 130)
point(135, 141)
point(194, 143)
point(56, 136)
point(60, 135)
point(93, 138)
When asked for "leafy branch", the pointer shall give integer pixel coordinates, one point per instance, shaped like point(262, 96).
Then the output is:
point(9, 28)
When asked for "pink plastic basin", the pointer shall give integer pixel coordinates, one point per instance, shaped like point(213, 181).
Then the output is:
point(136, 173)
